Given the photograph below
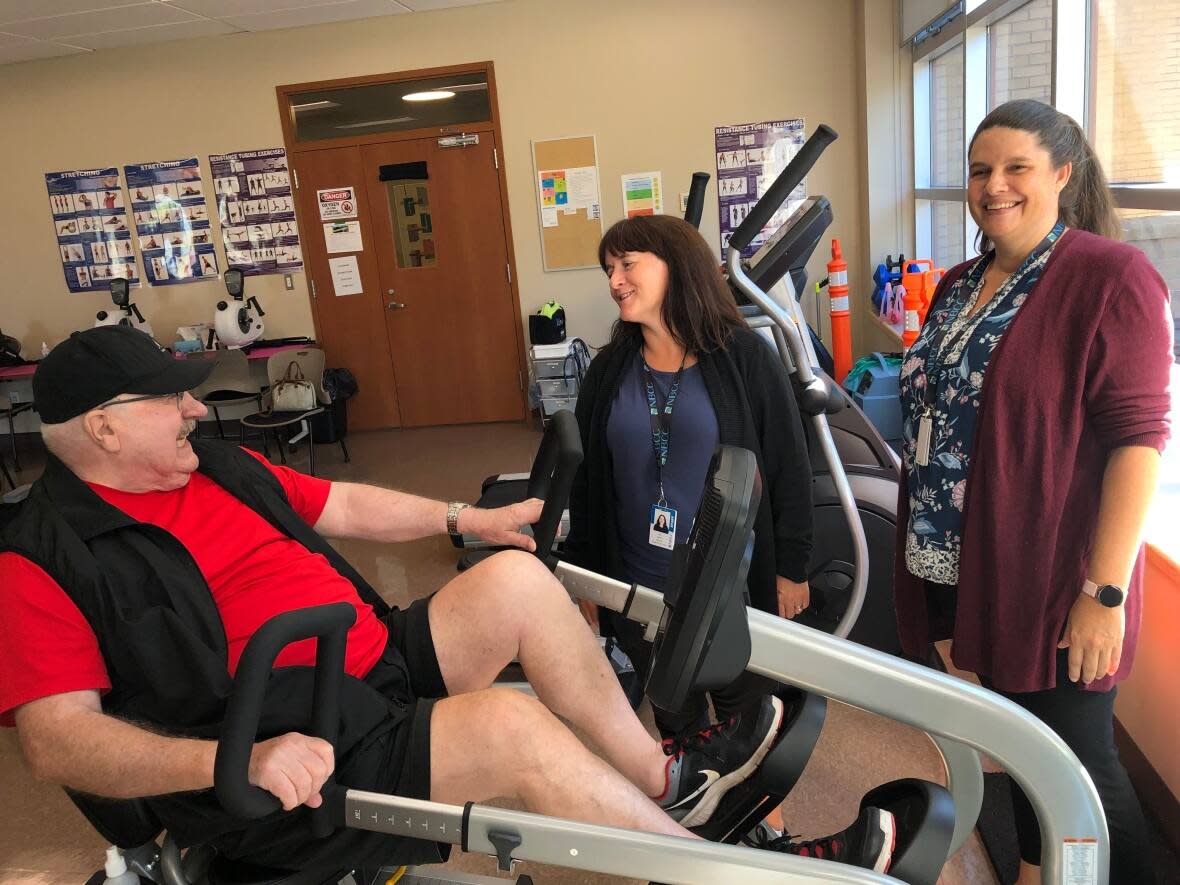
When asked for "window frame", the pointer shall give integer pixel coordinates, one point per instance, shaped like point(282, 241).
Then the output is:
point(1074, 51)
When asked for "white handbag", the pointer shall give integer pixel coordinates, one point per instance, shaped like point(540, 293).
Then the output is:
point(293, 393)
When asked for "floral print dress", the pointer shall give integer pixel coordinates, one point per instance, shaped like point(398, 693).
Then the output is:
point(942, 378)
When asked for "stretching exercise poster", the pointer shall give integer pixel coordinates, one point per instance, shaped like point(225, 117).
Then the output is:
point(749, 158)
point(172, 222)
point(256, 211)
point(90, 222)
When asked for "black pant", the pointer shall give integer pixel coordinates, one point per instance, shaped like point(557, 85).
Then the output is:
point(1085, 721)
point(745, 694)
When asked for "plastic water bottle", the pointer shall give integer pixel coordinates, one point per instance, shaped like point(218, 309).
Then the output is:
point(116, 868)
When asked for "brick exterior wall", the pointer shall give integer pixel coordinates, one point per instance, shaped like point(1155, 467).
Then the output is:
point(1021, 46)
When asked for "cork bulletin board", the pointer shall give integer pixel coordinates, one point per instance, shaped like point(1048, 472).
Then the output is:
point(569, 201)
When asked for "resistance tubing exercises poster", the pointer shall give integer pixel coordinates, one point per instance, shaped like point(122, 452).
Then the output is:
point(90, 221)
point(749, 158)
point(172, 221)
point(256, 211)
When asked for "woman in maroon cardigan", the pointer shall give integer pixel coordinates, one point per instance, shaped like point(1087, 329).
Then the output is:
point(1036, 405)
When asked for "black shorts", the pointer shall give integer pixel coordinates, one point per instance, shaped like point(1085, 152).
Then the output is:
point(411, 641)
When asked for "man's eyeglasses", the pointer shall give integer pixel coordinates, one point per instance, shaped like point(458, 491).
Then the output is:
point(178, 397)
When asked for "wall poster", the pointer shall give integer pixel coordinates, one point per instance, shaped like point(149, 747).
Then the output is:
point(90, 222)
point(172, 222)
point(749, 158)
point(257, 211)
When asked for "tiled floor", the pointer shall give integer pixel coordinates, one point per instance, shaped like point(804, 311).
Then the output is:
point(45, 841)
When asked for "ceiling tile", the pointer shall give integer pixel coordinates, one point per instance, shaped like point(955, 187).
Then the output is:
point(139, 15)
point(427, 5)
point(315, 15)
point(156, 34)
point(224, 8)
point(34, 49)
point(19, 10)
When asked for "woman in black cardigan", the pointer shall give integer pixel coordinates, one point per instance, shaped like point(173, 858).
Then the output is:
point(681, 374)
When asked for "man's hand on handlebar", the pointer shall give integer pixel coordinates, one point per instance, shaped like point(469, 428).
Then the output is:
point(292, 767)
point(501, 526)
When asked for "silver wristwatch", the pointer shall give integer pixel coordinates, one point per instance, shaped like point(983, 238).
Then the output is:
point(453, 510)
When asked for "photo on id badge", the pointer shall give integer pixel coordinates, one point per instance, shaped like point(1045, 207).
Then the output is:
point(662, 527)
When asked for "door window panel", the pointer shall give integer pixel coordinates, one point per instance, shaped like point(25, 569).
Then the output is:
point(433, 103)
point(407, 189)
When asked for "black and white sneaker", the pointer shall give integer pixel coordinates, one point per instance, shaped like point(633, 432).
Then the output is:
point(703, 767)
point(868, 843)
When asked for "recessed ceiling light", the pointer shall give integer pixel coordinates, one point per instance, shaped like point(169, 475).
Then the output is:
point(375, 123)
point(314, 105)
point(433, 95)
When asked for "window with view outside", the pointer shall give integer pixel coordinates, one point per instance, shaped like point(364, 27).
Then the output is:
point(1021, 50)
point(946, 233)
point(946, 119)
point(1136, 118)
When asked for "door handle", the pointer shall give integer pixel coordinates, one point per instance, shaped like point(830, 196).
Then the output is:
point(395, 305)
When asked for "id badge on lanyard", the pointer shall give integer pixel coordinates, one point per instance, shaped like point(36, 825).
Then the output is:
point(661, 529)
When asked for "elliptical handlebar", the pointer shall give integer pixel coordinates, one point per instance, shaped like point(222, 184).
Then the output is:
point(329, 624)
point(696, 198)
point(552, 479)
point(786, 182)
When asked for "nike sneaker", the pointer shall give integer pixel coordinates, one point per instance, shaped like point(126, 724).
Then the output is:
point(868, 843)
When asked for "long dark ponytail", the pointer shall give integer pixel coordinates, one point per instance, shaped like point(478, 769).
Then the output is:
point(1085, 203)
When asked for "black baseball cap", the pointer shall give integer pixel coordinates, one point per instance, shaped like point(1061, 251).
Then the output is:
point(96, 365)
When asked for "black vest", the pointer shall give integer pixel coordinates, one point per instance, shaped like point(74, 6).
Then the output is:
point(165, 650)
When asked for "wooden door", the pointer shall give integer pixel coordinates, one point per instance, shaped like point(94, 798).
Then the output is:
point(351, 328)
point(442, 256)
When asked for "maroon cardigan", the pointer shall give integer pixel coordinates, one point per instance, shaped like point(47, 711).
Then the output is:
point(1082, 369)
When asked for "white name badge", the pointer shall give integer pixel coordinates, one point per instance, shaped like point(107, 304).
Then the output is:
point(661, 531)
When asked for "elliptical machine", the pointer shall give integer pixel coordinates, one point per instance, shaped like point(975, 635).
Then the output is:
point(128, 314)
point(239, 324)
point(855, 475)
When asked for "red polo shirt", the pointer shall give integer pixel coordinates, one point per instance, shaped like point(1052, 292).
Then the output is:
point(253, 570)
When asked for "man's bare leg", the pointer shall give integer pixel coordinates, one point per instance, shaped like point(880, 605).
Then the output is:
point(498, 742)
point(510, 606)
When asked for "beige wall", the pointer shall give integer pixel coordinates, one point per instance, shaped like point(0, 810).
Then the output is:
point(650, 79)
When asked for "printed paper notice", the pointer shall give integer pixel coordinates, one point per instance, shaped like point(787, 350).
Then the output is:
point(343, 236)
point(549, 216)
point(1080, 862)
point(582, 184)
point(642, 194)
point(337, 202)
point(346, 275)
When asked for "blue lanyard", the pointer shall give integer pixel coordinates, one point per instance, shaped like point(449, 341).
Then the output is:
point(661, 420)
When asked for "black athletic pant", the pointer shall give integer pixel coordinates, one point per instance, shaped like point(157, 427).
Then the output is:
point(1085, 721)
point(744, 694)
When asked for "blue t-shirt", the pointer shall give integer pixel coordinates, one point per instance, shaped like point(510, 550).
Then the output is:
point(693, 438)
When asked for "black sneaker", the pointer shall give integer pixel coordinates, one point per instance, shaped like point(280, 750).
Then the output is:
point(703, 767)
point(868, 843)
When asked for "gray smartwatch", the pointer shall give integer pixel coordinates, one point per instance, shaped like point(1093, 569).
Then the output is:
point(1110, 595)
